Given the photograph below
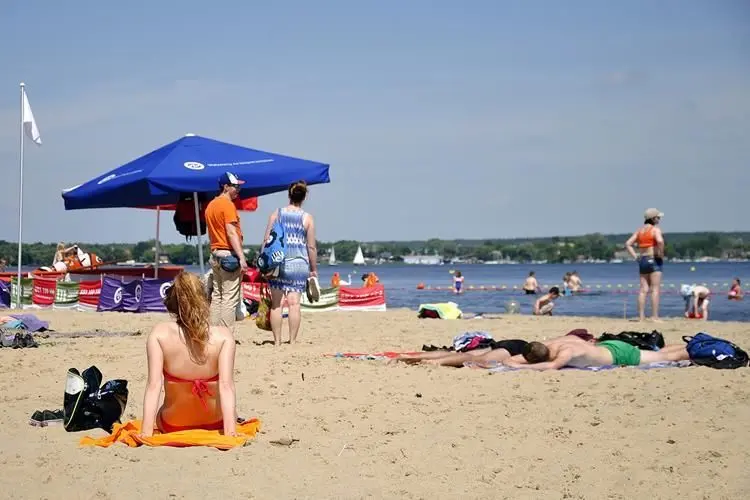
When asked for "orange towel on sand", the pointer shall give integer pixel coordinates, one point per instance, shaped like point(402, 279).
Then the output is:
point(128, 433)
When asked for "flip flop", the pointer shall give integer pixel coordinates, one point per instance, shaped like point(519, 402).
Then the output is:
point(313, 289)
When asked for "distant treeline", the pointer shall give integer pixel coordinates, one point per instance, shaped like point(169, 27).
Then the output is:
point(553, 249)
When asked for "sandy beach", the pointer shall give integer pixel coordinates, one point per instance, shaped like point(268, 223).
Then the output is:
point(373, 429)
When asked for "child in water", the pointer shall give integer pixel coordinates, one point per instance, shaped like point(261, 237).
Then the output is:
point(458, 282)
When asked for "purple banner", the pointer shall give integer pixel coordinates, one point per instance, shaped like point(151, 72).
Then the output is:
point(152, 298)
point(4, 295)
point(111, 296)
point(131, 296)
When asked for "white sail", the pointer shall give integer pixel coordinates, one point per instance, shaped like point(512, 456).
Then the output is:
point(359, 258)
point(332, 257)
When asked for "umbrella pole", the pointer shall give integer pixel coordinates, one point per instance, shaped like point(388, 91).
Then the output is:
point(156, 258)
point(198, 231)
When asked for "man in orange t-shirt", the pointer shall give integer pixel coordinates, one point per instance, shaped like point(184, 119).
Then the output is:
point(227, 258)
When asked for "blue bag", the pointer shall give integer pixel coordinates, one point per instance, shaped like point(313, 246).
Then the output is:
point(707, 350)
point(272, 255)
point(230, 263)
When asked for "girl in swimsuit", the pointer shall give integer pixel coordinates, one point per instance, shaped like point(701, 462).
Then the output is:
point(651, 247)
point(735, 293)
point(458, 282)
point(196, 362)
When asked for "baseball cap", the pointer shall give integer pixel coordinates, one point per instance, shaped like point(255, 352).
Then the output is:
point(650, 213)
point(229, 178)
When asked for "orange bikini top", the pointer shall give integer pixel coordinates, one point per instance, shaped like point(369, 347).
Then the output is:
point(200, 387)
point(646, 238)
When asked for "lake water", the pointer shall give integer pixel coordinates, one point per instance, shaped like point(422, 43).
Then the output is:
point(613, 287)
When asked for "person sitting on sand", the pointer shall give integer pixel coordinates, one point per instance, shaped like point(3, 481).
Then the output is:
point(735, 292)
point(579, 354)
point(458, 283)
point(696, 301)
point(531, 286)
point(544, 305)
point(196, 362)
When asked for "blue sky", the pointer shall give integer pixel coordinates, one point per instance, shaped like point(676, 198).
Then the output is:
point(439, 119)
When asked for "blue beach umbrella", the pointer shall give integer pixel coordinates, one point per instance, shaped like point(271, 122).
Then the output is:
point(192, 164)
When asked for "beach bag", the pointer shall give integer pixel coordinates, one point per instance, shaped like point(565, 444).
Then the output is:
point(272, 255)
point(89, 405)
point(646, 341)
point(184, 217)
point(706, 350)
point(263, 319)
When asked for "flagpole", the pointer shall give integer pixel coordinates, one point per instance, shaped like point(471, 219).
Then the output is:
point(20, 207)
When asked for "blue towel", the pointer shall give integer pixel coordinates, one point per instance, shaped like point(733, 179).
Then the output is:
point(15, 324)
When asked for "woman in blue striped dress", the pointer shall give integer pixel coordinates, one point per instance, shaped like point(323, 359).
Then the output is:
point(300, 261)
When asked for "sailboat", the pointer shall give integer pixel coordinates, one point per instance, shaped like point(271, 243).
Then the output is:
point(359, 258)
point(332, 257)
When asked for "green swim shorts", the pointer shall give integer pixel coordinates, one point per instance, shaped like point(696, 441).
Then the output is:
point(623, 354)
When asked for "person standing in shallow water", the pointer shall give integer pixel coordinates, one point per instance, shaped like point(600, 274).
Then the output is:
point(300, 261)
point(650, 261)
point(530, 286)
point(458, 282)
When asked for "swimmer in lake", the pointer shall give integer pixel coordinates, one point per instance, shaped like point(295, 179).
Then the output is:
point(458, 283)
point(735, 293)
point(531, 286)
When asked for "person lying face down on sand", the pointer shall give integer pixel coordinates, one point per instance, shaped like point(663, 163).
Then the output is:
point(580, 354)
point(544, 305)
point(498, 352)
point(196, 362)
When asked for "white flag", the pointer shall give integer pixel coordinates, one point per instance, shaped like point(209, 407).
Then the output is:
point(29, 124)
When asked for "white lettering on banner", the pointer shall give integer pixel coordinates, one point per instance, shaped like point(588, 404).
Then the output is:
point(138, 290)
point(117, 176)
point(163, 289)
point(118, 295)
point(194, 165)
point(239, 163)
point(90, 291)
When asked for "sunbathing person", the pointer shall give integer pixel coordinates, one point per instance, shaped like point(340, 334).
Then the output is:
point(498, 352)
point(584, 354)
point(196, 362)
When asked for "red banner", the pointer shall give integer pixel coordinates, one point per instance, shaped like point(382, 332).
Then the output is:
point(88, 295)
point(251, 291)
point(366, 298)
point(43, 294)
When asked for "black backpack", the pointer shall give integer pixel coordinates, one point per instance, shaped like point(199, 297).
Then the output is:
point(646, 341)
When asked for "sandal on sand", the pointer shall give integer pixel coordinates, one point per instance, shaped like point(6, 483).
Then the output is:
point(313, 289)
point(45, 418)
